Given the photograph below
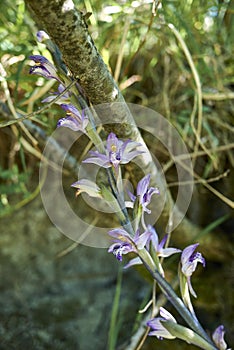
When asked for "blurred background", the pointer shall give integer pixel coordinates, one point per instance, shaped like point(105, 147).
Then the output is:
point(55, 294)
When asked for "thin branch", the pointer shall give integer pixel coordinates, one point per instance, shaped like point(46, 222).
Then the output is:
point(143, 40)
point(201, 180)
point(121, 50)
point(40, 110)
point(218, 96)
point(196, 77)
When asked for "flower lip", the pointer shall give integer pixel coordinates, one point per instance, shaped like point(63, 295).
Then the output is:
point(124, 243)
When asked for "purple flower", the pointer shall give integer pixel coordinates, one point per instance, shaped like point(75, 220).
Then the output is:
point(42, 36)
point(144, 192)
point(63, 99)
point(74, 120)
point(189, 261)
point(43, 67)
point(158, 246)
point(157, 251)
point(117, 152)
point(156, 324)
point(218, 338)
point(124, 243)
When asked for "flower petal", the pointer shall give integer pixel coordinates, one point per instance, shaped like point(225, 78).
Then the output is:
point(43, 67)
point(190, 259)
point(42, 36)
point(99, 159)
point(166, 314)
point(168, 252)
point(158, 329)
point(218, 338)
point(135, 261)
point(87, 186)
point(187, 252)
point(69, 122)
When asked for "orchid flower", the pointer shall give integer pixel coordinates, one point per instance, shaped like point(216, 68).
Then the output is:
point(189, 261)
point(124, 243)
point(63, 99)
point(157, 327)
point(144, 192)
point(74, 121)
point(218, 338)
point(44, 68)
point(117, 152)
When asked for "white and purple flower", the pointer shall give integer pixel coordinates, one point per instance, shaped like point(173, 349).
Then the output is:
point(156, 325)
point(74, 120)
point(42, 36)
point(144, 192)
point(65, 98)
point(117, 152)
point(189, 261)
point(124, 243)
point(43, 67)
point(218, 338)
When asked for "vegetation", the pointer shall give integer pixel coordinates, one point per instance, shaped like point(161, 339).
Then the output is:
point(175, 57)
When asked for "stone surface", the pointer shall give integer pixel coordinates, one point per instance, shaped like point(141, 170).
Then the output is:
point(51, 302)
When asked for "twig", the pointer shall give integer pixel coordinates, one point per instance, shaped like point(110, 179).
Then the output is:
point(40, 110)
point(39, 134)
point(219, 96)
point(38, 93)
point(198, 95)
point(137, 338)
point(76, 244)
point(121, 50)
point(200, 181)
point(226, 200)
point(221, 148)
point(133, 79)
point(143, 40)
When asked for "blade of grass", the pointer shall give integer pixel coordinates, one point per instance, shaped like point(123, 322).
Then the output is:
point(114, 327)
point(209, 228)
